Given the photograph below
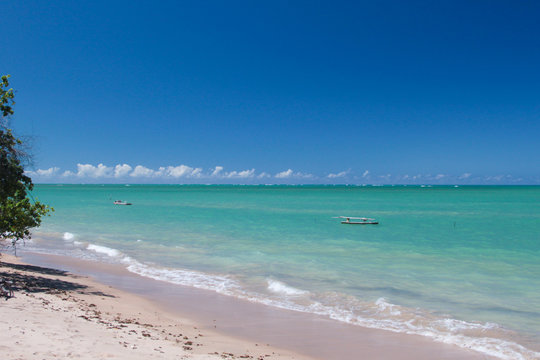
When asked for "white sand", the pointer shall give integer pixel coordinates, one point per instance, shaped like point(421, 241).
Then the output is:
point(57, 315)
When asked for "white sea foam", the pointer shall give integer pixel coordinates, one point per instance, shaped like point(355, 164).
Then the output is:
point(385, 306)
point(454, 325)
point(103, 250)
point(381, 314)
point(280, 288)
point(68, 236)
point(485, 338)
point(419, 325)
point(221, 284)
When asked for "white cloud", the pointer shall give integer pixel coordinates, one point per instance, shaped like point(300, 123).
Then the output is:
point(284, 174)
point(241, 174)
point(173, 174)
point(141, 171)
point(184, 171)
point(220, 174)
point(291, 174)
point(179, 171)
point(48, 172)
point(339, 175)
point(196, 173)
point(42, 172)
point(87, 170)
point(122, 170)
point(246, 173)
point(217, 171)
point(167, 172)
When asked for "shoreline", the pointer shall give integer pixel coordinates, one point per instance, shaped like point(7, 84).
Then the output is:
point(289, 334)
point(58, 314)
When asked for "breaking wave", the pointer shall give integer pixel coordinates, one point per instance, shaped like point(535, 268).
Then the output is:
point(103, 250)
point(487, 338)
point(281, 288)
point(68, 236)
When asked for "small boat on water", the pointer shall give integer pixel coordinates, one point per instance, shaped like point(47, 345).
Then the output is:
point(120, 202)
point(350, 220)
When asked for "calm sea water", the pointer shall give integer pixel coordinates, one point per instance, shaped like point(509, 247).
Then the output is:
point(457, 264)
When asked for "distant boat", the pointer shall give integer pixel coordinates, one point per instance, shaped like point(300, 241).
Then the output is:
point(350, 220)
point(120, 202)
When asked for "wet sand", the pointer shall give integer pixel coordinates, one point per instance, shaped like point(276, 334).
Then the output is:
point(284, 334)
point(54, 314)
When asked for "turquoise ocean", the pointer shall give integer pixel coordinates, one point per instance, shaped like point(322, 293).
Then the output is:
point(459, 265)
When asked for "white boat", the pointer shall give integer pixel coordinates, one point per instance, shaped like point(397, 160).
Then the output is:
point(120, 202)
point(351, 220)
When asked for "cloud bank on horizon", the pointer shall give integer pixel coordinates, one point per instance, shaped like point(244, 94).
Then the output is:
point(184, 174)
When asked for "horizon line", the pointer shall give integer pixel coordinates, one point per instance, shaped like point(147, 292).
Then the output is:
point(307, 184)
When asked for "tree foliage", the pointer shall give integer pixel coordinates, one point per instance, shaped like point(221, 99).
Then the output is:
point(18, 212)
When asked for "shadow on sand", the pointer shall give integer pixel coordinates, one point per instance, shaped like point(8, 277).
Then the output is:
point(27, 278)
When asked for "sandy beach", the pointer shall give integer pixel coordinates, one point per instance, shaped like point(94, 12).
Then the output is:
point(59, 314)
point(55, 314)
point(177, 180)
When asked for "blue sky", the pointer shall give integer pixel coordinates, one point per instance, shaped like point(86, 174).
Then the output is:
point(374, 92)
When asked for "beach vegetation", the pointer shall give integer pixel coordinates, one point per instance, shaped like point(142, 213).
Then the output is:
point(19, 211)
